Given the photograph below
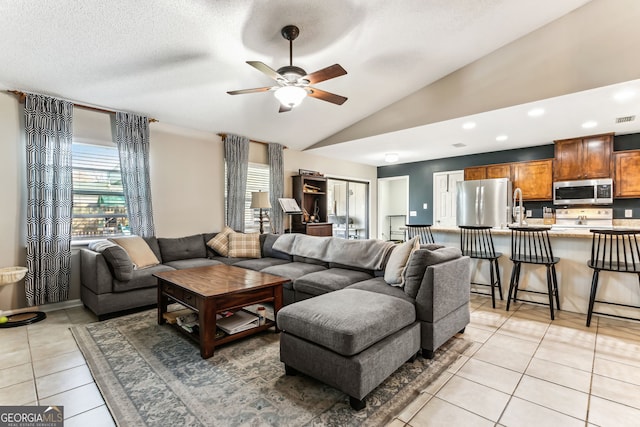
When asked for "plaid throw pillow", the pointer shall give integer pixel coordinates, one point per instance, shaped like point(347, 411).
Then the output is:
point(220, 242)
point(244, 245)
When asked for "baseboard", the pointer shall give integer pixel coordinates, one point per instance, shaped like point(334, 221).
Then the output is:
point(47, 307)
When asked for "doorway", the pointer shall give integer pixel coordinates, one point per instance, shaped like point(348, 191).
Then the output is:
point(393, 206)
point(348, 208)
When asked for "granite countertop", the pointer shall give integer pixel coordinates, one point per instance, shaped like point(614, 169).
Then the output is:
point(557, 232)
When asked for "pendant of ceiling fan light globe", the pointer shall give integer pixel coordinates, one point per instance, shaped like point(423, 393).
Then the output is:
point(290, 96)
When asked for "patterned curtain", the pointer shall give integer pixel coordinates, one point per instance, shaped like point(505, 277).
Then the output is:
point(49, 132)
point(236, 156)
point(276, 186)
point(132, 139)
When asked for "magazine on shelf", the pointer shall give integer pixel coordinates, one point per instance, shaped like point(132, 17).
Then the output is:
point(240, 321)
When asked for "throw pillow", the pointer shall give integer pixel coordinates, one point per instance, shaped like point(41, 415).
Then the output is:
point(396, 266)
point(116, 257)
point(244, 245)
point(220, 242)
point(139, 251)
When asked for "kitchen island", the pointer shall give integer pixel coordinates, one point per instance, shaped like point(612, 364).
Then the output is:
point(573, 246)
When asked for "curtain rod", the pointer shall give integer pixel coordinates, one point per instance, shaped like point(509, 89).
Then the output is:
point(223, 135)
point(21, 96)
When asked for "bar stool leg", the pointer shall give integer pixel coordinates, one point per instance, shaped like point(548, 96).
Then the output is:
point(497, 269)
point(492, 284)
point(592, 297)
point(550, 289)
point(555, 284)
point(512, 282)
point(517, 283)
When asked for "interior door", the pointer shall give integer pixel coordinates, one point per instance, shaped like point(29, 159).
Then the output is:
point(444, 197)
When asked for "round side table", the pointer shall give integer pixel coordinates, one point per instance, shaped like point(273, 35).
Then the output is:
point(10, 275)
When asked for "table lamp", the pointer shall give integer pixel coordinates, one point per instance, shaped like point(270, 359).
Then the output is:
point(260, 200)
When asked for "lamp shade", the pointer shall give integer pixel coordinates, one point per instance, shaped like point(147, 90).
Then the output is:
point(260, 200)
point(290, 96)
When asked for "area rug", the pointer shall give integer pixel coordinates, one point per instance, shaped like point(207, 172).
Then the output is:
point(152, 375)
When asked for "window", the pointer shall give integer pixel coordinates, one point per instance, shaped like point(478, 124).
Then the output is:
point(99, 207)
point(257, 180)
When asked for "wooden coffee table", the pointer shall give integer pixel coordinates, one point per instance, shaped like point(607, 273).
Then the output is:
point(211, 290)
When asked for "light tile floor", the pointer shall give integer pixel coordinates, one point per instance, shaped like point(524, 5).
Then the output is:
point(521, 370)
point(525, 370)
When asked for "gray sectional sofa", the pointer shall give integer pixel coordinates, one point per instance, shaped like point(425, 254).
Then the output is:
point(436, 278)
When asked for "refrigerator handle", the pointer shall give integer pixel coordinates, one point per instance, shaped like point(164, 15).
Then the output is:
point(480, 215)
point(477, 204)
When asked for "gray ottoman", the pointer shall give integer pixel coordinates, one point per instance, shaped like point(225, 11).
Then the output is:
point(350, 339)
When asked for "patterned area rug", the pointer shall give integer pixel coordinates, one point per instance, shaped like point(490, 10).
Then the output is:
point(152, 375)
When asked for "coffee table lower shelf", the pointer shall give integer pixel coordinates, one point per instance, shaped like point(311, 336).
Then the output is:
point(195, 336)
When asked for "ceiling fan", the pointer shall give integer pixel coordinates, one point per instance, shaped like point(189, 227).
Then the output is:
point(293, 83)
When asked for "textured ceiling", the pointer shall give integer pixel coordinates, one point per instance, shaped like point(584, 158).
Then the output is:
point(174, 60)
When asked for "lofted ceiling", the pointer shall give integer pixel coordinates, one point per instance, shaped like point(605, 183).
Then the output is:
point(174, 60)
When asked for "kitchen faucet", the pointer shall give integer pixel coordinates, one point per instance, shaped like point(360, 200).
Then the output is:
point(520, 215)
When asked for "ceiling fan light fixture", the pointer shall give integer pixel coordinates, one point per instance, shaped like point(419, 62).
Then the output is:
point(290, 96)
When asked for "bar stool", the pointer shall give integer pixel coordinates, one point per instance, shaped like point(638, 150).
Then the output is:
point(476, 242)
point(531, 245)
point(422, 230)
point(612, 250)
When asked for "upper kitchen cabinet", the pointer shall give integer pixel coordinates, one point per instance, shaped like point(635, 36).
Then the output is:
point(584, 158)
point(534, 178)
point(502, 170)
point(476, 172)
point(627, 173)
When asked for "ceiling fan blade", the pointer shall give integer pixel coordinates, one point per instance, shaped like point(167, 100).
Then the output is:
point(326, 96)
point(284, 109)
point(242, 91)
point(327, 73)
point(264, 68)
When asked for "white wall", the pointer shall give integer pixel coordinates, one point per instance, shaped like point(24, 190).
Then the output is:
point(187, 183)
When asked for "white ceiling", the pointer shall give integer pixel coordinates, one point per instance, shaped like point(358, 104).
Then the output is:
point(174, 60)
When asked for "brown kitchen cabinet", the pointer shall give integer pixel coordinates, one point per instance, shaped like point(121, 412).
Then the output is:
point(534, 178)
point(502, 170)
point(588, 157)
point(476, 172)
point(627, 173)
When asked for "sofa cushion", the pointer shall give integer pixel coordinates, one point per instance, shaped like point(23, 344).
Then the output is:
point(293, 270)
point(153, 245)
point(117, 258)
point(307, 260)
point(259, 264)
point(268, 251)
point(174, 249)
point(220, 242)
point(243, 245)
point(346, 321)
point(181, 264)
point(141, 279)
point(418, 263)
point(397, 263)
point(378, 285)
point(139, 251)
point(328, 280)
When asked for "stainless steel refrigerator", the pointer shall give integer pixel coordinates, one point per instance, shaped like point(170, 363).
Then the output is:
point(484, 202)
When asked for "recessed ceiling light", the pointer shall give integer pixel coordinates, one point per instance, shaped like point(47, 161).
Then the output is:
point(469, 125)
point(459, 144)
point(624, 95)
point(590, 124)
point(536, 112)
point(501, 138)
point(391, 157)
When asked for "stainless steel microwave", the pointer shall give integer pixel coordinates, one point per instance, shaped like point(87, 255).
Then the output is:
point(583, 192)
